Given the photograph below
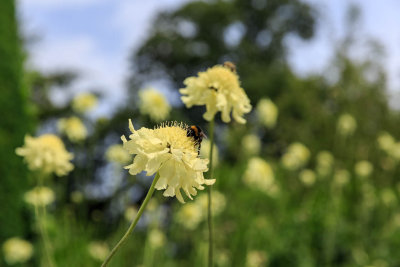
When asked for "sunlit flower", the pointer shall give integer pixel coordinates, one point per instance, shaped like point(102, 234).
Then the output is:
point(154, 104)
point(205, 151)
point(251, 144)
point(307, 177)
point(84, 102)
point(218, 89)
point(341, 177)
point(73, 128)
point(217, 205)
point(156, 238)
point(98, 250)
point(46, 153)
point(325, 162)
point(118, 154)
point(190, 215)
point(363, 168)
point(17, 250)
point(386, 141)
point(267, 112)
point(40, 196)
point(259, 176)
point(170, 152)
point(296, 156)
point(130, 213)
point(346, 124)
point(256, 258)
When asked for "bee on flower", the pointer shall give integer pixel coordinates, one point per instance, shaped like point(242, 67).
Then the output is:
point(73, 128)
point(84, 102)
point(218, 88)
point(267, 112)
point(154, 104)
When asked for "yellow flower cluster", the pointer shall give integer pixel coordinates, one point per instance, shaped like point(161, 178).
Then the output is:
point(205, 151)
point(17, 250)
point(40, 196)
point(296, 156)
point(217, 88)
point(117, 154)
point(170, 152)
point(47, 154)
point(259, 176)
point(251, 144)
point(267, 112)
point(346, 125)
point(154, 104)
point(84, 102)
point(363, 168)
point(73, 128)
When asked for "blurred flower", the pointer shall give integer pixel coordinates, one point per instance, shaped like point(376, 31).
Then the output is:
point(218, 89)
point(388, 197)
point(84, 102)
point(386, 142)
point(259, 176)
point(307, 177)
point(296, 156)
point(118, 154)
point(98, 250)
point(341, 177)
point(256, 258)
point(267, 112)
point(394, 151)
point(154, 104)
point(73, 128)
point(251, 144)
point(222, 258)
point(156, 238)
point(17, 250)
point(46, 153)
point(205, 151)
point(77, 197)
point(217, 205)
point(130, 213)
point(363, 168)
point(346, 124)
point(40, 196)
point(325, 162)
point(170, 152)
point(190, 215)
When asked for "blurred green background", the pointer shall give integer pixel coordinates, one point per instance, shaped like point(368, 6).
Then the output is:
point(306, 208)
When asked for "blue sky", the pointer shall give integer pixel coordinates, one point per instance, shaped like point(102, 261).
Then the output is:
point(96, 37)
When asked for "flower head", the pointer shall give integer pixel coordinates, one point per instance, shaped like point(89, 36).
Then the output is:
point(84, 102)
point(190, 215)
point(267, 112)
point(98, 250)
point(73, 128)
point(17, 250)
point(156, 238)
point(170, 152)
point(251, 144)
point(296, 156)
point(217, 88)
point(346, 125)
point(341, 177)
point(117, 154)
point(259, 175)
point(154, 104)
point(307, 177)
point(41, 196)
point(363, 168)
point(46, 153)
point(386, 142)
point(325, 161)
point(217, 205)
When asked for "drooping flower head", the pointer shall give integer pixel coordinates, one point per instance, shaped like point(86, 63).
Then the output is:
point(84, 102)
point(17, 250)
point(154, 104)
point(267, 112)
point(170, 152)
point(73, 128)
point(117, 154)
point(218, 88)
point(47, 154)
point(346, 124)
point(40, 196)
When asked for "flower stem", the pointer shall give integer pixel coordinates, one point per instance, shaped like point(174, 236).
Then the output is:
point(209, 213)
point(134, 222)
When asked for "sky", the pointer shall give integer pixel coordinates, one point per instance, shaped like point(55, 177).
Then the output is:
point(96, 37)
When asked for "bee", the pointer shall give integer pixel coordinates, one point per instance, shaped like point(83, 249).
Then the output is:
point(230, 65)
point(197, 134)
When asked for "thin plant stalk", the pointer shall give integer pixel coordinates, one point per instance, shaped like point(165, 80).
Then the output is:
point(209, 213)
point(134, 222)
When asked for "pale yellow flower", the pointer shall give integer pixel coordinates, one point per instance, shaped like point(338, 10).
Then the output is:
point(130, 213)
point(156, 238)
point(40, 196)
point(325, 161)
point(73, 128)
point(251, 144)
point(98, 250)
point(154, 104)
point(118, 154)
point(341, 177)
point(217, 205)
point(46, 153)
point(394, 151)
point(190, 215)
point(267, 112)
point(386, 142)
point(205, 151)
point(363, 168)
point(84, 102)
point(256, 258)
point(307, 177)
point(296, 156)
point(218, 89)
point(17, 250)
point(259, 175)
point(346, 124)
point(170, 152)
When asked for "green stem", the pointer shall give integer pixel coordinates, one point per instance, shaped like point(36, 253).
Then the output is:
point(134, 222)
point(209, 213)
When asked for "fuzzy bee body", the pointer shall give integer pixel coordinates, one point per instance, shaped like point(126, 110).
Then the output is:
point(197, 134)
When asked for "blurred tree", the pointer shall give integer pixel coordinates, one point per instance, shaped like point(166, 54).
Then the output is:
point(16, 121)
